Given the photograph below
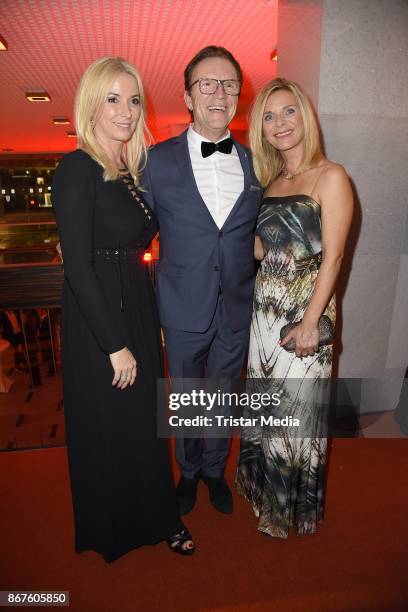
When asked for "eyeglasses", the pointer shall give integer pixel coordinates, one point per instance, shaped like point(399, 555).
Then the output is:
point(231, 87)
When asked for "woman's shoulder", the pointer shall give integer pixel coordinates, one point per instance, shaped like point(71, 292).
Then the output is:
point(75, 168)
point(331, 171)
point(333, 182)
point(77, 160)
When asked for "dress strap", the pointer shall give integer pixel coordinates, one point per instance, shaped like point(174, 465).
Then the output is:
point(317, 180)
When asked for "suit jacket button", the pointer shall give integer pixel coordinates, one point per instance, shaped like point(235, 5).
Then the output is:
point(220, 233)
point(216, 268)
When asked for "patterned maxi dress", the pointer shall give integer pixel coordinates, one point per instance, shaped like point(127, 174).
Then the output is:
point(281, 469)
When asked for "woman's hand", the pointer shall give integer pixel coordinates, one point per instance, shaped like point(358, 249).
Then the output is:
point(125, 368)
point(259, 251)
point(306, 336)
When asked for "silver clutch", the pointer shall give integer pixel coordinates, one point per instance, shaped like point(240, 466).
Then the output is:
point(326, 333)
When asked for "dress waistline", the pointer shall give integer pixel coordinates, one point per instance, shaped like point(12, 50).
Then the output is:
point(118, 255)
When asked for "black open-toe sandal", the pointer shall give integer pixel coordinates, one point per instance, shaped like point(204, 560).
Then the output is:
point(176, 542)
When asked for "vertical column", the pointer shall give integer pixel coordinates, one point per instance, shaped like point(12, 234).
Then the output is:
point(350, 56)
point(363, 108)
point(299, 43)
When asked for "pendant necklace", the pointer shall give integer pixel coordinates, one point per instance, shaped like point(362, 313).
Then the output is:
point(287, 175)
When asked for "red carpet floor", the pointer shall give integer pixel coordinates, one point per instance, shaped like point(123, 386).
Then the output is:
point(356, 562)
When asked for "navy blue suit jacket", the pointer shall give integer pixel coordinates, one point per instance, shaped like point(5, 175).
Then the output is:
point(196, 258)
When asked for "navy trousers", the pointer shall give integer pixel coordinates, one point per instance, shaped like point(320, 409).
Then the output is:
point(215, 353)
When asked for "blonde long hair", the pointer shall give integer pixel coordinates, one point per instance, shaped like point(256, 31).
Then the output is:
point(268, 161)
point(89, 100)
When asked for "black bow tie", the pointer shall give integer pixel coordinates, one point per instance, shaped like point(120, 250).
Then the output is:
point(224, 146)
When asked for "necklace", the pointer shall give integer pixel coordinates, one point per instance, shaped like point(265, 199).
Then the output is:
point(287, 175)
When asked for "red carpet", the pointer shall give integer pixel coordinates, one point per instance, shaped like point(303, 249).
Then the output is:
point(356, 562)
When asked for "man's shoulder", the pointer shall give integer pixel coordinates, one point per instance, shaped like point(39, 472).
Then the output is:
point(166, 145)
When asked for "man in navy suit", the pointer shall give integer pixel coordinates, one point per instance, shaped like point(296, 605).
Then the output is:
point(203, 189)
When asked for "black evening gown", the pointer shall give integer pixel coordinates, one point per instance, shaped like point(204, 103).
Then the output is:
point(122, 487)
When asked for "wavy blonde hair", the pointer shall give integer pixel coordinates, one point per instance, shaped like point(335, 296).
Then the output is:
point(89, 100)
point(268, 161)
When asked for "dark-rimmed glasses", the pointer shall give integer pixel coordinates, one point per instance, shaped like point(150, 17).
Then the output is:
point(231, 87)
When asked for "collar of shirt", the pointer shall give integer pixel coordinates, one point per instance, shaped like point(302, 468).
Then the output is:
point(195, 139)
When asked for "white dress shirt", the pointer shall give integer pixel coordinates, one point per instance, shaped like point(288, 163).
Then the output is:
point(219, 177)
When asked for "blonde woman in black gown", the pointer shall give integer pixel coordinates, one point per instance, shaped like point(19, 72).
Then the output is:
point(300, 238)
point(121, 481)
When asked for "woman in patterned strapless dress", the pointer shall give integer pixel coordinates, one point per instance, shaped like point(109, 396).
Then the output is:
point(300, 237)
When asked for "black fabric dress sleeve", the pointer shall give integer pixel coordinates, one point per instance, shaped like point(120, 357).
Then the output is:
point(73, 195)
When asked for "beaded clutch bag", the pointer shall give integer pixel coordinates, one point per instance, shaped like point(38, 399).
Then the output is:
point(326, 333)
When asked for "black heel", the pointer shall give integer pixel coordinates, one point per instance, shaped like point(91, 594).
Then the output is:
point(176, 542)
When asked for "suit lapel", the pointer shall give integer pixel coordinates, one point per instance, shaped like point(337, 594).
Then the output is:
point(183, 160)
point(186, 170)
point(243, 158)
point(182, 157)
